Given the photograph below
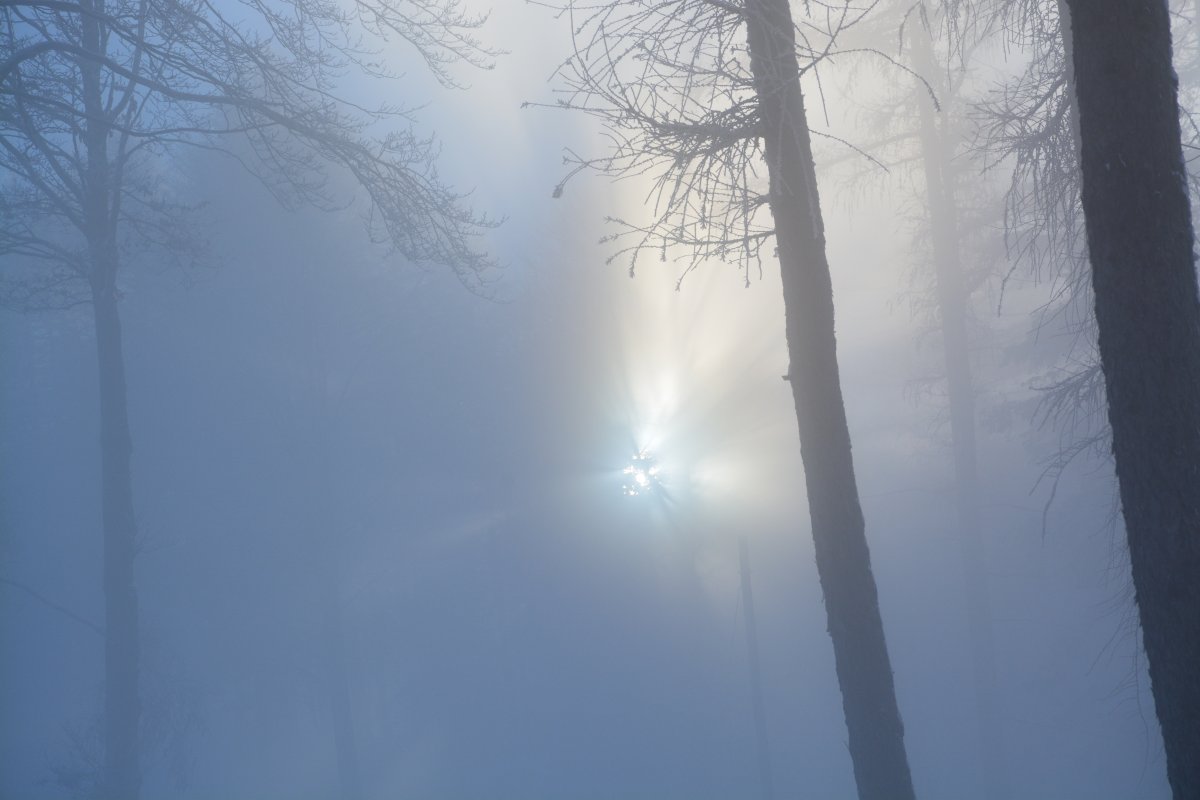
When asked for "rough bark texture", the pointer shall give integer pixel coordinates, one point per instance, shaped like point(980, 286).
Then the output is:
point(122, 704)
point(765, 777)
point(1140, 240)
point(953, 312)
point(876, 733)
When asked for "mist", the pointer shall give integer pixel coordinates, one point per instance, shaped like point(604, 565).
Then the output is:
point(391, 532)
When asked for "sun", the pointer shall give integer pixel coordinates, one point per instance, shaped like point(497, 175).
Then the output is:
point(642, 476)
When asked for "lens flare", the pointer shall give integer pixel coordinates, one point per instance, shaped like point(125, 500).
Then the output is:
point(641, 476)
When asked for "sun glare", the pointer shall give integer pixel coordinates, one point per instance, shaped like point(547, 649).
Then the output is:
point(641, 476)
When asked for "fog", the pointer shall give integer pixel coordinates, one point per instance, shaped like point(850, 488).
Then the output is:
point(383, 525)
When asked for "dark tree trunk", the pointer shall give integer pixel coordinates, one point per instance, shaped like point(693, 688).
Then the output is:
point(1140, 240)
point(876, 733)
point(122, 704)
point(952, 304)
point(765, 777)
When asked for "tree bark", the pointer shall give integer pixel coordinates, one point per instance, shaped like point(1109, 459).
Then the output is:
point(1140, 240)
point(953, 312)
point(876, 733)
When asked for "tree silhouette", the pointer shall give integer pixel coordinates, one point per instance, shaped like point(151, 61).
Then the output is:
point(701, 96)
point(1140, 244)
point(94, 94)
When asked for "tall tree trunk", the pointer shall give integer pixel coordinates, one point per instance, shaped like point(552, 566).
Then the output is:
point(756, 694)
point(1139, 233)
point(349, 777)
point(876, 733)
point(952, 300)
point(325, 512)
point(122, 704)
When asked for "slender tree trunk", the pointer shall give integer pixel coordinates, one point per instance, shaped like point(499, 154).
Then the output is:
point(952, 299)
point(349, 777)
point(324, 497)
point(756, 694)
point(876, 733)
point(1139, 232)
point(122, 704)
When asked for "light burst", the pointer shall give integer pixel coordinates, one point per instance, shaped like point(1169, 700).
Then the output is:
point(642, 476)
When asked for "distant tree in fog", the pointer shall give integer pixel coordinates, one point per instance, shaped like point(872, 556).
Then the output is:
point(700, 96)
point(919, 128)
point(938, 46)
point(1028, 127)
point(95, 93)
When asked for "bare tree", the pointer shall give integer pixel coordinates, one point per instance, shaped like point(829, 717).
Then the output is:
point(919, 129)
point(702, 96)
point(1120, 163)
point(954, 284)
point(1140, 243)
point(1029, 127)
point(94, 92)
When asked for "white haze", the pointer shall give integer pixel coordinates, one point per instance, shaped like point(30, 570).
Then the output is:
point(516, 628)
